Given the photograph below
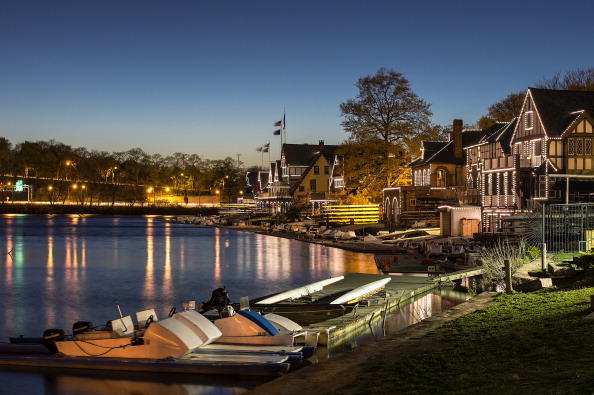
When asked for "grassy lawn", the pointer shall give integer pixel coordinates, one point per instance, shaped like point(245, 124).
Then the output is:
point(527, 343)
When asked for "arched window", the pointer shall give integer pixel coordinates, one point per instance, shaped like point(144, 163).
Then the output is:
point(442, 178)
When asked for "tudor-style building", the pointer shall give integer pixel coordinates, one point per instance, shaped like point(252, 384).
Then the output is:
point(533, 158)
point(491, 172)
point(305, 173)
point(438, 178)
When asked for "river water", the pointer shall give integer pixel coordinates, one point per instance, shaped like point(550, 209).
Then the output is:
point(56, 270)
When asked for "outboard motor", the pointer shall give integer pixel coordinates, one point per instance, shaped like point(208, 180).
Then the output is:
point(81, 327)
point(219, 300)
point(50, 336)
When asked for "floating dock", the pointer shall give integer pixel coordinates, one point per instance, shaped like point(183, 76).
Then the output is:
point(137, 365)
point(398, 292)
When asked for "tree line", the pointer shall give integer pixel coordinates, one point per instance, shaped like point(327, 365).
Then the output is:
point(53, 166)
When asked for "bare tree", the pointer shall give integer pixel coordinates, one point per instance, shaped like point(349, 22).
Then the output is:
point(385, 108)
point(573, 80)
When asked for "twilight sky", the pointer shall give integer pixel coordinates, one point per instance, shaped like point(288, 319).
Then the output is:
point(212, 77)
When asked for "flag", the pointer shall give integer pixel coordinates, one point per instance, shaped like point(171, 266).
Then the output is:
point(267, 145)
point(284, 121)
point(259, 149)
point(279, 123)
point(265, 149)
point(276, 132)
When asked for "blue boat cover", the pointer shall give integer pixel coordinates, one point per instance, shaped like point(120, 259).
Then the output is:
point(260, 320)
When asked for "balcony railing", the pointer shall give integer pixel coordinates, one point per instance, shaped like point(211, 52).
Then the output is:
point(498, 200)
point(534, 161)
point(504, 162)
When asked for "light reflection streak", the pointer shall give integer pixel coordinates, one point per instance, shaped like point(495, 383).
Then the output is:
point(8, 267)
point(149, 281)
point(50, 286)
point(167, 273)
point(9, 259)
point(217, 262)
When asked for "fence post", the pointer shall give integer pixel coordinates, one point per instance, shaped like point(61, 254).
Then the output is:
point(508, 276)
point(543, 255)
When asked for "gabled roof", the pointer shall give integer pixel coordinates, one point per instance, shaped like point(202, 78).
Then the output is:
point(431, 147)
point(264, 178)
point(296, 183)
point(445, 154)
point(305, 154)
point(501, 132)
point(279, 170)
point(557, 107)
point(252, 178)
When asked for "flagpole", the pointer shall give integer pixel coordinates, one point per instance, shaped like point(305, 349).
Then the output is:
point(281, 146)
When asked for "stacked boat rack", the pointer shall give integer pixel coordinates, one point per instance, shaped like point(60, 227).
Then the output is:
point(267, 336)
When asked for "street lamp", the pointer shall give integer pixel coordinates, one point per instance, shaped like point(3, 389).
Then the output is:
point(151, 190)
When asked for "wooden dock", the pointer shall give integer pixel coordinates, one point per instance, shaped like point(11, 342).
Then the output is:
point(397, 293)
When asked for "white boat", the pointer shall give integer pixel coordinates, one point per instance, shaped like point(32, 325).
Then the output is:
point(299, 292)
point(360, 292)
point(285, 325)
point(250, 327)
point(172, 337)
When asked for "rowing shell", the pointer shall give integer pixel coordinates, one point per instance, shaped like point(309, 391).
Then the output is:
point(301, 291)
point(365, 290)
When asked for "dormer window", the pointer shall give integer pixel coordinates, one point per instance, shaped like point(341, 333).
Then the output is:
point(528, 120)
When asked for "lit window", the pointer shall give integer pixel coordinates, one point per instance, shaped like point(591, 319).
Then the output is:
point(528, 119)
point(441, 178)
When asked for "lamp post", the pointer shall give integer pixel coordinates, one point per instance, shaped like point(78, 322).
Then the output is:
point(50, 194)
point(82, 194)
point(150, 190)
point(74, 188)
point(218, 193)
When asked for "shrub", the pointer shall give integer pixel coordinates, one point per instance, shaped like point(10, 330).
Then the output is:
point(585, 261)
point(493, 258)
point(533, 252)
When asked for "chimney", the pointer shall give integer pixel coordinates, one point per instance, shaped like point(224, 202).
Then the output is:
point(456, 135)
point(321, 143)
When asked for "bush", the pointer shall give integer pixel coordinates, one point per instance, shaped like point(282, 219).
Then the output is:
point(493, 258)
point(533, 252)
point(585, 261)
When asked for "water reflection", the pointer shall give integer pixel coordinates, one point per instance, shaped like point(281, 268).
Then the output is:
point(68, 268)
point(71, 385)
point(422, 307)
point(82, 266)
point(149, 283)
